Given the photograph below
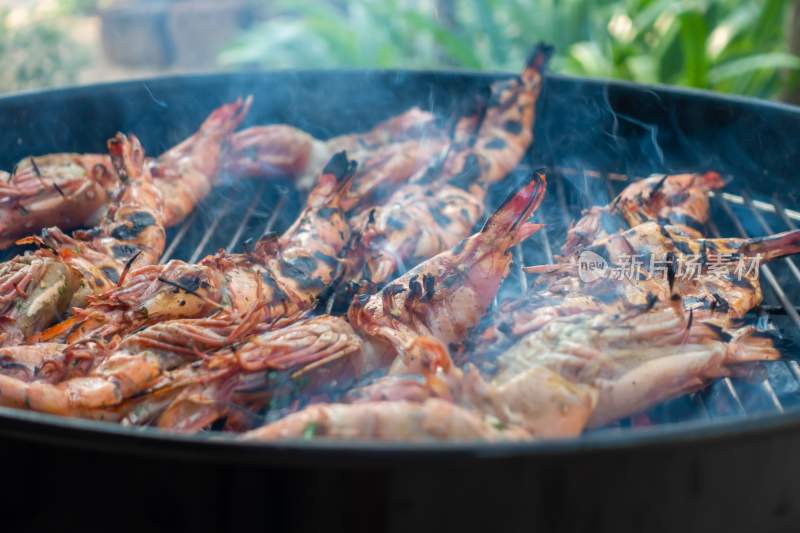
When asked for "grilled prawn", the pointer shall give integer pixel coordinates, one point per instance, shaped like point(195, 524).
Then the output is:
point(167, 374)
point(715, 275)
point(75, 190)
point(65, 190)
point(186, 173)
point(323, 348)
point(582, 370)
point(276, 282)
point(65, 271)
point(445, 296)
point(442, 204)
point(282, 150)
point(679, 200)
point(432, 420)
point(590, 369)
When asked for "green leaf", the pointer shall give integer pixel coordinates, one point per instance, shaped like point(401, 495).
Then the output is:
point(751, 64)
point(647, 16)
point(457, 48)
point(498, 42)
point(590, 60)
point(693, 44)
point(643, 68)
point(731, 27)
point(770, 18)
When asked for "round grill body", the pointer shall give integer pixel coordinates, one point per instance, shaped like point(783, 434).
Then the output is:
point(723, 459)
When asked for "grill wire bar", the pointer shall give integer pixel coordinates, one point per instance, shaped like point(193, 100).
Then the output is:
point(214, 225)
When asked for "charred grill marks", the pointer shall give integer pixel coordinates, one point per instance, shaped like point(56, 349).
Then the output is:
point(496, 144)
point(428, 284)
point(122, 251)
point(270, 282)
point(301, 270)
point(328, 260)
point(36, 169)
point(657, 187)
point(719, 304)
point(469, 173)
point(414, 288)
point(137, 222)
point(340, 166)
point(191, 289)
point(514, 127)
point(438, 216)
point(327, 212)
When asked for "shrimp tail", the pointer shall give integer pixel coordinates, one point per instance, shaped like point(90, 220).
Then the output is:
point(747, 344)
point(773, 246)
point(228, 117)
point(127, 156)
point(711, 180)
point(511, 217)
point(334, 182)
point(342, 169)
point(537, 61)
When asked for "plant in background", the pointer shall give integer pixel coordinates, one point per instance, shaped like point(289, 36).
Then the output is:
point(35, 51)
point(725, 45)
point(80, 7)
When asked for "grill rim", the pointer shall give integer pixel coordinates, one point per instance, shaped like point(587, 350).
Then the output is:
point(114, 438)
point(87, 434)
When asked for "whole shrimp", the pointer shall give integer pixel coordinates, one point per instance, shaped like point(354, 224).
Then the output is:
point(66, 190)
point(282, 150)
point(186, 173)
point(442, 204)
point(714, 275)
point(578, 371)
point(150, 362)
point(680, 200)
point(131, 367)
point(431, 420)
point(275, 283)
point(590, 369)
point(323, 348)
point(445, 296)
point(75, 190)
point(39, 286)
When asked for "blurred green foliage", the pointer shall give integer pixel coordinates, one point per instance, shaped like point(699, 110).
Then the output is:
point(37, 52)
point(80, 7)
point(725, 45)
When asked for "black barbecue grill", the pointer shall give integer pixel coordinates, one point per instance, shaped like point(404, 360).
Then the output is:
point(725, 457)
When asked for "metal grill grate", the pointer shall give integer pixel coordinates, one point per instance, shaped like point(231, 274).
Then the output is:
point(232, 215)
point(235, 213)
